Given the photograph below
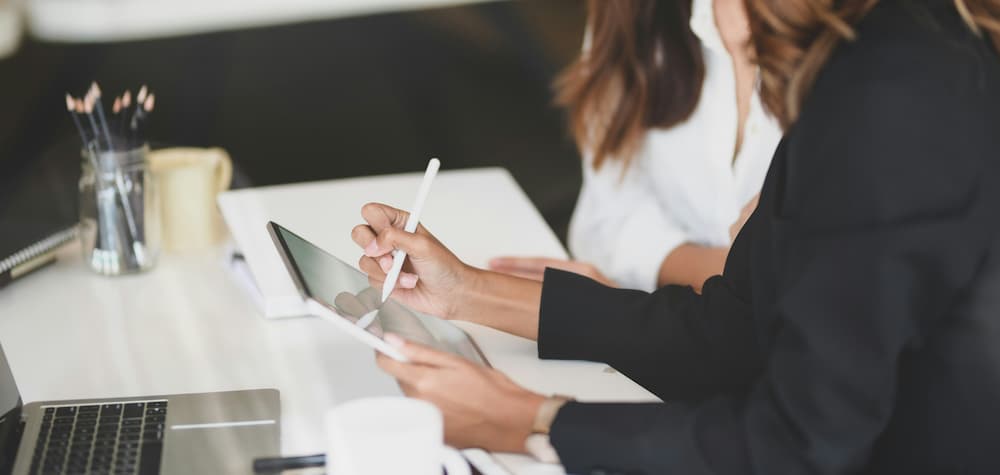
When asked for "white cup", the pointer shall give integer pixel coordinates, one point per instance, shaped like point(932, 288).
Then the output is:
point(389, 435)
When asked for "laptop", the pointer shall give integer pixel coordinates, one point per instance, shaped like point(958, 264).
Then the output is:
point(336, 291)
point(191, 433)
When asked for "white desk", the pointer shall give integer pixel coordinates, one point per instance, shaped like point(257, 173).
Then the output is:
point(187, 326)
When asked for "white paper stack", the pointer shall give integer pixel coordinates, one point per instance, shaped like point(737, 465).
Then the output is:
point(325, 212)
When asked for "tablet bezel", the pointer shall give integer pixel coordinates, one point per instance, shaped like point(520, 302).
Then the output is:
point(320, 309)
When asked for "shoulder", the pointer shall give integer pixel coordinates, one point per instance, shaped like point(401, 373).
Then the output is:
point(902, 48)
point(893, 127)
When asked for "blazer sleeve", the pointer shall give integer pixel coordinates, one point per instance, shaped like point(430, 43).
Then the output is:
point(829, 385)
point(676, 343)
point(874, 240)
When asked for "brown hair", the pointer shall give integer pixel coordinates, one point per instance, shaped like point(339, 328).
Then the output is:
point(793, 39)
point(643, 70)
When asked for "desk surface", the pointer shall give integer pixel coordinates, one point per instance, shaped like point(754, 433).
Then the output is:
point(188, 326)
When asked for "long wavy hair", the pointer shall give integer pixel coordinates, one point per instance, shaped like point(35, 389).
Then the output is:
point(793, 39)
point(643, 69)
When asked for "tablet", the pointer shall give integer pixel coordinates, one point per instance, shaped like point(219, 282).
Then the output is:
point(339, 293)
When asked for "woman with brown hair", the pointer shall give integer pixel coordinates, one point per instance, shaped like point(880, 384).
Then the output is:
point(855, 328)
point(663, 105)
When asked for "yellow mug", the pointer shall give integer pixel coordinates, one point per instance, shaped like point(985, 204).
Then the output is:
point(189, 179)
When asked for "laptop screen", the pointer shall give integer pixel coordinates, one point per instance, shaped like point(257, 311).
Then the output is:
point(10, 416)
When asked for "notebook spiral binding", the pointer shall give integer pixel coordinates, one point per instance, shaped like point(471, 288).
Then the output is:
point(37, 249)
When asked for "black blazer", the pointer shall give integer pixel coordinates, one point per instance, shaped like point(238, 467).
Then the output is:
point(856, 327)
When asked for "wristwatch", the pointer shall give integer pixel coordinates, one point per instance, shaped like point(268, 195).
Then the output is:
point(537, 444)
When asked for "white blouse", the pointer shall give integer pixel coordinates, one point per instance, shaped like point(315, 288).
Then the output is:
point(683, 186)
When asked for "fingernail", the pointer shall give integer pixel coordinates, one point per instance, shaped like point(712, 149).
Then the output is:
point(394, 340)
point(372, 248)
point(385, 262)
point(408, 280)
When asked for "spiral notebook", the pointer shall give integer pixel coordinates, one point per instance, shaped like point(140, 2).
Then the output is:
point(25, 247)
point(38, 200)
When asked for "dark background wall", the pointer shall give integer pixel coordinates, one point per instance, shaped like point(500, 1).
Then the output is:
point(318, 100)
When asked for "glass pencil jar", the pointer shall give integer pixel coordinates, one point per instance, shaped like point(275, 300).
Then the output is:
point(119, 211)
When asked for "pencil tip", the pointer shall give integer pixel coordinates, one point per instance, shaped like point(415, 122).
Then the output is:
point(69, 102)
point(150, 102)
point(94, 87)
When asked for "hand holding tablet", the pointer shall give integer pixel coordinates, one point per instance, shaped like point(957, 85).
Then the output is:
point(341, 294)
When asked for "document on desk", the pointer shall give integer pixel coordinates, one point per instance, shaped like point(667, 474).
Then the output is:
point(496, 216)
point(246, 216)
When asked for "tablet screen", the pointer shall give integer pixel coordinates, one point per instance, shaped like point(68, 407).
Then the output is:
point(344, 289)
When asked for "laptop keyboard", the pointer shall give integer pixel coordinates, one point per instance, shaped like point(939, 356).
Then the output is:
point(114, 438)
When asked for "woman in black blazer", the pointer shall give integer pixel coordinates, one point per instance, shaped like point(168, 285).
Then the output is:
point(856, 327)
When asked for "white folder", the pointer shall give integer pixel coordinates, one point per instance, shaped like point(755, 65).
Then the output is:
point(484, 202)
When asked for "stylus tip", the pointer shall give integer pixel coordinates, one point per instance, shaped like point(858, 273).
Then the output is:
point(386, 291)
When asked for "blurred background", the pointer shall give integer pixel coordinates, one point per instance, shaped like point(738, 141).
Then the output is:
point(296, 90)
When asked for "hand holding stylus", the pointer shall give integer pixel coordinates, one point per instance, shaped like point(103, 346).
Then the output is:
point(443, 278)
point(399, 255)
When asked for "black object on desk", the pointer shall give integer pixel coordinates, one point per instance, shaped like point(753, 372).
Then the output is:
point(38, 206)
point(278, 464)
point(39, 241)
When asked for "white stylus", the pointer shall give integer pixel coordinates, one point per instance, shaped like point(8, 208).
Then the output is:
point(367, 319)
point(398, 256)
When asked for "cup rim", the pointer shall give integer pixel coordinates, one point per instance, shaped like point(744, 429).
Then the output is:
point(165, 159)
point(382, 406)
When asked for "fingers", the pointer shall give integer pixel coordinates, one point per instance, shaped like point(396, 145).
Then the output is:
point(416, 245)
point(389, 239)
point(408, 374)
point(362, 235)
point(377, 268)
point(380, 216)
point(424, 355)
point(407, 280)
point(370, 266)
